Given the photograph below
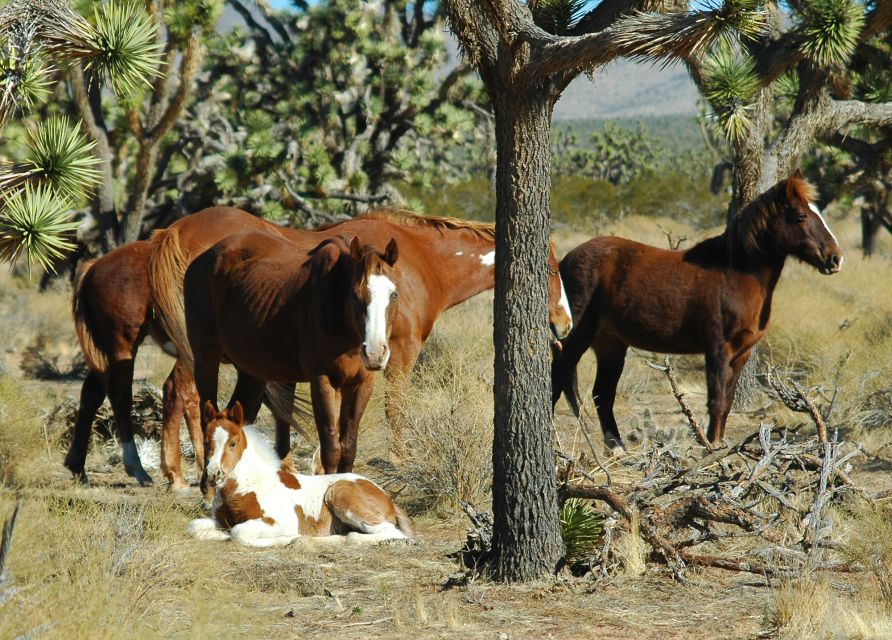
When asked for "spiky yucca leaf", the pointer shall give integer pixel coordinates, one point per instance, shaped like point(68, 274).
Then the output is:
point(35, 222)
point(730, 77)
point(731, 85)
point(831, 29)
point(126, 47)
point(61, 156)
point(581, 528)
point(557, 16)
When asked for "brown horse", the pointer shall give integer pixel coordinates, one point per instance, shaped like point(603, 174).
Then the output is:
point(112, 312)
point(443, 262)
point(714, 298)
point(284, 315)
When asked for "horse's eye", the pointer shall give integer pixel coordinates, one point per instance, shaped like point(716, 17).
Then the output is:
point(394, 295)
point(232, 445)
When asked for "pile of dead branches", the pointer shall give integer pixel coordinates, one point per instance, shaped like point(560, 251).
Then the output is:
point(769, 494)
point(762, 505)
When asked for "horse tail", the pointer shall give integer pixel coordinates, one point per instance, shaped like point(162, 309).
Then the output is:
point(168, 261)
point(403, 522)
point(96, 357)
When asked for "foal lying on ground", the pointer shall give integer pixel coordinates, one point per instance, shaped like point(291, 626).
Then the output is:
point(263, 504)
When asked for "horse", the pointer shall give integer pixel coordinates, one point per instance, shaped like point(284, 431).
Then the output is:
point(443, 262)
point(262, 503)
point(112, 310)
point(714, 298)
point(280, 315)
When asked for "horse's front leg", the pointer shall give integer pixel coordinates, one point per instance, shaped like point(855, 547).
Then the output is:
point(403, 354)
point(207, 529)
point(258, 533)
point(326, 409)
point(354, 399)
point(720, 381)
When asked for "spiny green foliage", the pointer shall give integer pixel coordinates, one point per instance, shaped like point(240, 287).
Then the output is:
point(581, 528)
point(61, 156)
point(731, 85)
point(23, 78)
point(126, 47)
point(36, 223)
point(347, 107)
point(558, 16)
point(831, 29)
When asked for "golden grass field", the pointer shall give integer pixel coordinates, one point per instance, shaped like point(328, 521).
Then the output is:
point(111, 559)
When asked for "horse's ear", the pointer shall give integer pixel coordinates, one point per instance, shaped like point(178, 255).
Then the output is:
point(237, 413)
point(355, 249)
point(209, 410)
point(391, 253)
point(791, 184)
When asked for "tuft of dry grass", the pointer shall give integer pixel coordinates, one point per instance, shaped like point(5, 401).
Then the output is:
point(448, 420)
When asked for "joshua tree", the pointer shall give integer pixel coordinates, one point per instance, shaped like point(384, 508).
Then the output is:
point(526, 55)
point(57, 169)
point(775, 95)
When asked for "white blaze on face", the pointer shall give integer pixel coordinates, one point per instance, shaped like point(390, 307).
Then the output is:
point(565, 302)
point(375, 342)
point(488, 259)
point(221, 436)
point(817, 212)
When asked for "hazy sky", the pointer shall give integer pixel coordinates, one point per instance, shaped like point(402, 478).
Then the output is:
point(281, 4)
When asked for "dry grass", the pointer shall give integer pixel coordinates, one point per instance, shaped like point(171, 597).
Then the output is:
point(112, 559)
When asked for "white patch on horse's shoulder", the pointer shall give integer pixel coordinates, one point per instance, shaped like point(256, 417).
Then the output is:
point(459, 253)
point(488, 259)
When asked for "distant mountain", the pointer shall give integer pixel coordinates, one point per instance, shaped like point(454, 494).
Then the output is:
point(626, 89)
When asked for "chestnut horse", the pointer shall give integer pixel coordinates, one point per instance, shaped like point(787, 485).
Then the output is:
point(282, 315)
point(443, 262)
point(112, 312)
point(714, 298)
point(261, 503)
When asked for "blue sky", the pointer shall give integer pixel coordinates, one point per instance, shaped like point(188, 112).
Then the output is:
point(281, 4)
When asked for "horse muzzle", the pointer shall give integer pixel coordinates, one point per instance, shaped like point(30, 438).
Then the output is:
point(214, 477)
point(832, 264)
point(561, 330)
point(375, 359)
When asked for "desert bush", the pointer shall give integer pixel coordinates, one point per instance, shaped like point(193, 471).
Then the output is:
point(581, 528)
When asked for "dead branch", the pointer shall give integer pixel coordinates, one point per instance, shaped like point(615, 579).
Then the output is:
point(797, 400)
point(679, 396)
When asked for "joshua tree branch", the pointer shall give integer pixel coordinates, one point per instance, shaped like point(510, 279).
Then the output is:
point(470, 24)
point(845, 113)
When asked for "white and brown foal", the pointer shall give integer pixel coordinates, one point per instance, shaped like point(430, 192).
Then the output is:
point(260, 502)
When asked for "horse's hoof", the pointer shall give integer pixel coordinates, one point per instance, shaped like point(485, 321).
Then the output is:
point(80, 477)
point(615, 446)
point(179, 487)
point(142, 478)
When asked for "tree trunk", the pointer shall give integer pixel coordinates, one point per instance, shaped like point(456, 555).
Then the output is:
point(526, 536)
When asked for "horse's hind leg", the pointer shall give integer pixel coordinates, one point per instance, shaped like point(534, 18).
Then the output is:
point(186, 386)
point(611, 355)
point(92, 396)
point(170, 432)
point(366, 509)
point(120, 393)
point(249, 392)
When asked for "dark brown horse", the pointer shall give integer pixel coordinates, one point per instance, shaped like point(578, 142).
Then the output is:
point(112, 316)
point(284, 315)
point(443, 262)
point(714, 298)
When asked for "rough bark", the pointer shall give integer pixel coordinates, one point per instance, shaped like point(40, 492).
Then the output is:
point(526, 537)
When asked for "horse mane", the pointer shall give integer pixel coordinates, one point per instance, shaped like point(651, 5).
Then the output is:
point(747, 231)
point(406, 218)
point(261, 446)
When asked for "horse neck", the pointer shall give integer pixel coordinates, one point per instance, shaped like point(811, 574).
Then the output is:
point(762, 268)
point(463, 263)
point(253, 472)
